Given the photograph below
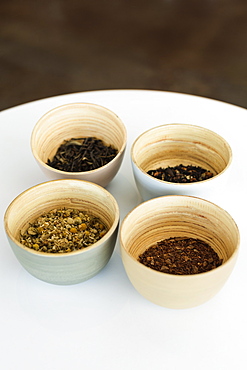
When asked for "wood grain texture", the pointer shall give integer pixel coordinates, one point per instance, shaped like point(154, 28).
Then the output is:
point(75, 121)
point(178, 216)
point(174, 144)
point(69, 268)
point(54, 47)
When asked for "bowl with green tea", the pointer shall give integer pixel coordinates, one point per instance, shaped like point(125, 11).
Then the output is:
point(63, 231)
point(79, 141)
point(178, 251)
point(180, 159)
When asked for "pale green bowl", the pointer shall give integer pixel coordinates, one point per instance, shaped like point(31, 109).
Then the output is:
point(63, 268)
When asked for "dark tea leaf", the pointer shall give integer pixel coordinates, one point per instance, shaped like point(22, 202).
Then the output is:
point(82, 154)
point(181, 174)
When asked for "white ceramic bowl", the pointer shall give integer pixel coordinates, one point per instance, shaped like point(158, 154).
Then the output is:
point(175, 144)
point(63, 268)
point(178, 216)
point(73, 121)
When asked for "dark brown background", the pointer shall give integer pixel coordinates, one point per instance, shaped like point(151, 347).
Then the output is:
point(52, 47)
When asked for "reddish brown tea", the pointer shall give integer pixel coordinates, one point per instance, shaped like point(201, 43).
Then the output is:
point(181, 256)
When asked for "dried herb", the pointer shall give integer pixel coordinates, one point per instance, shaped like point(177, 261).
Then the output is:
point(82, 154)
point(181, 256)
point(181, 174)
point(62, 231)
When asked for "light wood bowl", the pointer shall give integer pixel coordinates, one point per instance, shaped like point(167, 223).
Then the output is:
point(63, 268)
point(175, 144)
point(178, 216)
point(73, 121)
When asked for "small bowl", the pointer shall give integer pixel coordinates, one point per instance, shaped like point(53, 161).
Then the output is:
point(73, 121)
point(63, 268)
point(178, 216)
point(175, 144)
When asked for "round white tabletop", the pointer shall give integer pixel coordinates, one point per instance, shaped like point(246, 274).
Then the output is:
point(104, 323)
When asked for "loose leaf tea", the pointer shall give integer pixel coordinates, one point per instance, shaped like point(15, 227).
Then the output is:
point(82, 154)
point(181, 174)
point(62, 231)
point(181, 256)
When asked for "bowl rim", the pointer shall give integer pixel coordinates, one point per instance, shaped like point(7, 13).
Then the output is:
point(80, 104)
point(196, 183)
point(173, 276)
point(112, 229)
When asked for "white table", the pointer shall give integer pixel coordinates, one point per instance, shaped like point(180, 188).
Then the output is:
point(104, 323)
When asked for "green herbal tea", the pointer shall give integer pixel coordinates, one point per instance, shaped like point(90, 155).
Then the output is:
point(62, 231)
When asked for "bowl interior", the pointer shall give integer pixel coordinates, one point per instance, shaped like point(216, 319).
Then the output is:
point(179, 216)
point(74, 121)
point(174, 144)
point(76, 194)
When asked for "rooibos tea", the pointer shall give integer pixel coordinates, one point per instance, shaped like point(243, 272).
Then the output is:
point(82, 154)
point(181, 256)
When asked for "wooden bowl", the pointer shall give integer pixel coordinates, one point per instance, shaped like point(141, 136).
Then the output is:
point(63, 268)
point(175, 144)
point(178, 216)
point(73, 121)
